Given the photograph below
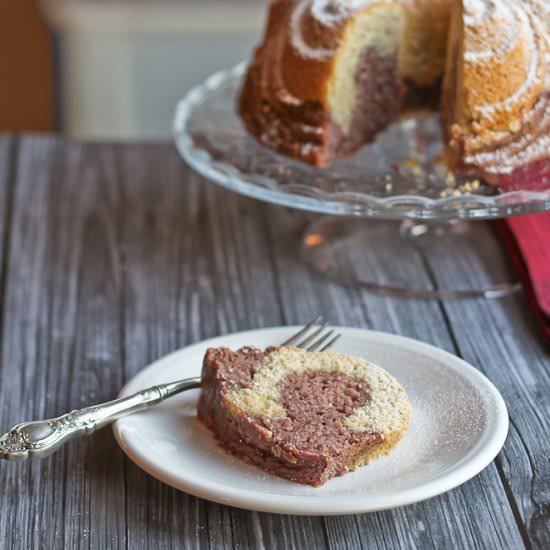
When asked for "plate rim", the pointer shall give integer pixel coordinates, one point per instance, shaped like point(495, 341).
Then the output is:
point(461, 472)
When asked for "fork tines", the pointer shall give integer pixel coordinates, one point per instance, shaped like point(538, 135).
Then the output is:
point(314, 336)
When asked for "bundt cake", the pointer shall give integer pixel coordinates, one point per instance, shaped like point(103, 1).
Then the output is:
point(331, 74)
point(303, 416)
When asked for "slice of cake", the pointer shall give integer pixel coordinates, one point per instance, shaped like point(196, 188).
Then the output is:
point(303, 416)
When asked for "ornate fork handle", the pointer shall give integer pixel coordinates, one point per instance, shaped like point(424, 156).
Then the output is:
point(42, 438)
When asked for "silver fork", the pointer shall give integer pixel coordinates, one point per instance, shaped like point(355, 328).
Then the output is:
point(41, 438)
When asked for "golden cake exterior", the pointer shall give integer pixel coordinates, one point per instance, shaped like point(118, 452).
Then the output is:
point(499, 62)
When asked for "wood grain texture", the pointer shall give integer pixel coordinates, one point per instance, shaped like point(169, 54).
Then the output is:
point(118, 255)
point(7, 152)
point(61, 347)
point(517, 361)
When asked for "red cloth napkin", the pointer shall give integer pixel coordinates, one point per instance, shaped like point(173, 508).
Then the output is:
point(527, 239)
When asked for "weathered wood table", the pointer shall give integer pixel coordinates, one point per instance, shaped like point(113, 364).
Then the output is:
point(113, 255)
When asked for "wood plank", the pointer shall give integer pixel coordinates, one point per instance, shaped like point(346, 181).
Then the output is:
point(120, 255)
point(500, 338)
point(7, 149)
point(61, 348)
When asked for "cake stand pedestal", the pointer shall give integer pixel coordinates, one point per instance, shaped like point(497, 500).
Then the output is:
point(393, 195)
point(353, 251)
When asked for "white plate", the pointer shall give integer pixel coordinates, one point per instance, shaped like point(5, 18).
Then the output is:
point(460, 423)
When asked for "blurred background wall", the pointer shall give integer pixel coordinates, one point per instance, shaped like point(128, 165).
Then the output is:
point(26, 68)
point(114, 69)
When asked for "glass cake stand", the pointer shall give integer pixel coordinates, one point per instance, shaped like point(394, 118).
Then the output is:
point(395, 194)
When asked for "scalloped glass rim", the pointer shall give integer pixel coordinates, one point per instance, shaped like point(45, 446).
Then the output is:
point(314, 199)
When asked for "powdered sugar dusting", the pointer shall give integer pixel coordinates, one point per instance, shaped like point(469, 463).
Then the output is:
point(448, 417)
point(493, 29)
point(476, 13)
point(331, 12)
point(297, 36)
point(328, 13)
point(531, 79)
point(523, 149)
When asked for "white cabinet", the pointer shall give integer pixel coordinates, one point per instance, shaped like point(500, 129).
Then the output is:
point(123, 65)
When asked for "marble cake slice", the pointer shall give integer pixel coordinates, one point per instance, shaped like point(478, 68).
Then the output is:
point(303, 416)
